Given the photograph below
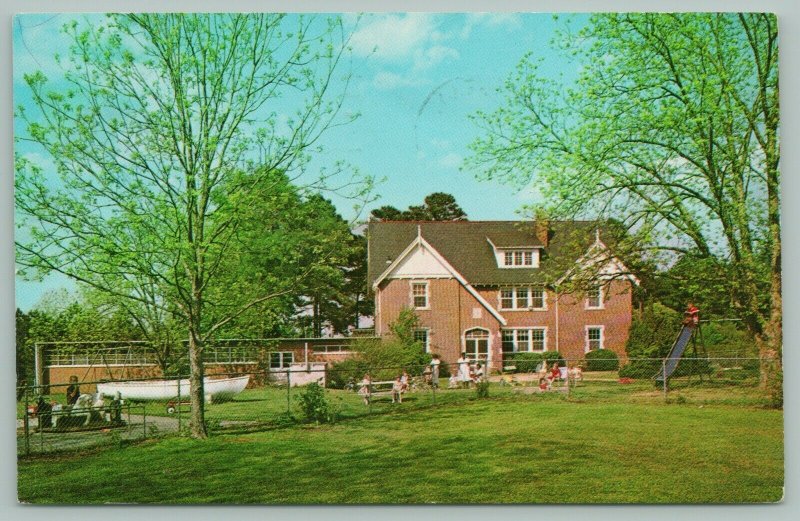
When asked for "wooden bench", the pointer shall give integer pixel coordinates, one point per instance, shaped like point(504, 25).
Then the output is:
point(383, 388)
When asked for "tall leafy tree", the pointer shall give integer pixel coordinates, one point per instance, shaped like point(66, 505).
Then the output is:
point(672, 128)
point(160, 111)
point(437, 206)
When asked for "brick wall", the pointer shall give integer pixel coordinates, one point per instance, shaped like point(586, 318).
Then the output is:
point(453, 310)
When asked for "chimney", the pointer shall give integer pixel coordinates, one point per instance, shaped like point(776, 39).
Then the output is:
point(541, 228)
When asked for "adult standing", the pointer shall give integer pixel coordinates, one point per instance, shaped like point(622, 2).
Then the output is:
point(73, 391)
point(463, 370)
point(435, 371)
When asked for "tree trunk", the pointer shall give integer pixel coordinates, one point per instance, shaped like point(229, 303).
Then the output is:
point(196, 391)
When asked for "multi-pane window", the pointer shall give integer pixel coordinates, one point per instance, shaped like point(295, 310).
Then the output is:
point(338, 348)
point(594, 298)
point(128, 355)
point(509, 340)
point(518, 258)
point(594, 338)
point(421, 336)
point(522, 298)
point(537, 340)
point(476, 344)
point(507, 299)
point(419, 293)
point(281, 359)
point(516, 340)
point(537, 298)
point(523, 339)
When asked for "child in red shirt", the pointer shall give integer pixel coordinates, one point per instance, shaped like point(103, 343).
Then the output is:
point(691, 315)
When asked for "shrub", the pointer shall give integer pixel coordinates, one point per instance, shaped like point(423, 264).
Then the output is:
point(315, 405)
point(384, 359)
point(553, 356)
point(648, 368)
point(346, 372)
point(602, 360)
point(693, 365)
point(653, 332)
point(523, 362)
point(482, 389)
point(640, 368)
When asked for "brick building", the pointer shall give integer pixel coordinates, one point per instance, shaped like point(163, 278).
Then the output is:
point(492, 287)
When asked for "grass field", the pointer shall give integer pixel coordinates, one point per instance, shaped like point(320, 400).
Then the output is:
point(524, 449)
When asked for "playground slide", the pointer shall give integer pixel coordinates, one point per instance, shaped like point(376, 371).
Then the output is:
point(676, 352)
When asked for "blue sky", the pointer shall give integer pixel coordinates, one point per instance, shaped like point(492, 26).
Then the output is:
point(416, 79)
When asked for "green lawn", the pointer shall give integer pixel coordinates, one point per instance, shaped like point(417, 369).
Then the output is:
point(528, 449)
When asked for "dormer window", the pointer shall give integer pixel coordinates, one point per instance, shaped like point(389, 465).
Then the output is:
point(519, 259)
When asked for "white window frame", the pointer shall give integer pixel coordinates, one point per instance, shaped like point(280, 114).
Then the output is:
point(601, 298)
point(602, 346)
point(544, 299)
point(427, 294)
point(529, 300)
point(282, 357)
point(529, 347)
point(331, 349)
point(427, 343)
point(488, 344)
point(521, 254)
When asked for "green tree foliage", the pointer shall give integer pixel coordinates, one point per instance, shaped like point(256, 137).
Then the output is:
point(437, 206)
point(160, 116)
point(57, 319)
point(672, 128)
point(602, 360)
point(653, 332)
point(385, 358)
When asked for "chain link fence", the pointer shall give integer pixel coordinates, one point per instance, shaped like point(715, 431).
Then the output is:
point(59, 417)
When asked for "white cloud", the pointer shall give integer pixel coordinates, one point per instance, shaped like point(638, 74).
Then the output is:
point(508, 21)
point(451, 160)
point(389, 80)
point(394, 36)
point(425, 59)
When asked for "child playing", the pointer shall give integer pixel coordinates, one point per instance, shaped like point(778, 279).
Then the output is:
point(555, 374)
point(397, 390)
point(543, 384)
point(452, 383)
point(365, 389)
point(404, 378)
point(477, 375)
point(691, 315)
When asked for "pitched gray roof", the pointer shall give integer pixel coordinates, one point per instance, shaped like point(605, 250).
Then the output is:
point(464, 244)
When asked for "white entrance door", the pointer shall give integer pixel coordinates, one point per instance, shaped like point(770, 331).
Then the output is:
point(476, 344)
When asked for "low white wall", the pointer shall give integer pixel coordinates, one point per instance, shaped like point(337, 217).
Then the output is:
point(302, 374)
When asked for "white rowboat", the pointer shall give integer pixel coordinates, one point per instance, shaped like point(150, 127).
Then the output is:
point(215, 389)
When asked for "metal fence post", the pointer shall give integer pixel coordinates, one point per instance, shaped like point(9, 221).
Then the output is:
point(178, 407)
point(567, 364)
point(664, 376)
point(288, 391)
point(27, 427)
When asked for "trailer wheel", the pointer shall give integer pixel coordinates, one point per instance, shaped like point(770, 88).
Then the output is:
point(170, 409)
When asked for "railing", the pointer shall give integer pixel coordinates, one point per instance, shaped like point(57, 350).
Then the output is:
point(274, 398)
